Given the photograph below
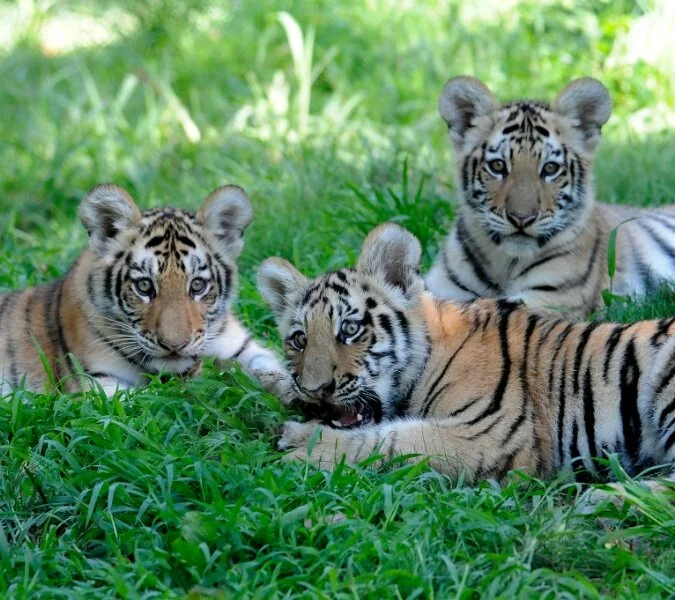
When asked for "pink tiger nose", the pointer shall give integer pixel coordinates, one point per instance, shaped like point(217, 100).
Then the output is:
point(521, 220)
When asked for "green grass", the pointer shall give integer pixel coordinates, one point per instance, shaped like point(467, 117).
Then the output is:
point(177, 489)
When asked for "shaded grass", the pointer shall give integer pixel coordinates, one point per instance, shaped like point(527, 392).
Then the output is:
point(177, 488)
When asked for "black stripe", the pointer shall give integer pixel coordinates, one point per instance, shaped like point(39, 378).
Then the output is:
point(186, 241)
point(669, 442)
point(589, 412)
point(505, 309)
point(474, 256)
point(630, 416)
point(666, 411)
point(581, 346)
point(4, 303)
point(575, 282)
point(53, 324)
point(63, 346)
point(610, 346)
point(514, 427)
point(542, 261)
point(432, 389)
point(154, 241)
point(524, 376)
point(663, 244)
point(663, 384)
point(452, 277)
point(561, 404)
point(246, 342)
point(466, 407)
point(662, 328)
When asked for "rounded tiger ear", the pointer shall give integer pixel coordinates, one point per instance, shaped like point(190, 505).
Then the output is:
point(587, 103)
point(392, 253)
point(105, 211)
point(227, 212)
point(463, 99)
point(277, 280)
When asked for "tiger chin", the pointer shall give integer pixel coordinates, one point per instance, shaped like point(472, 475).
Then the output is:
point(152, 293)
point(480, 387)
point(528, 226)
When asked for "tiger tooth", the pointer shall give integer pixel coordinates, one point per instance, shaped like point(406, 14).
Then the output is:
point(336, 423)
point(359, 417)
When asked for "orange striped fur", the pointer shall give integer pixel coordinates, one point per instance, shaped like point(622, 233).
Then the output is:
point(153, 292)
point(480, 387)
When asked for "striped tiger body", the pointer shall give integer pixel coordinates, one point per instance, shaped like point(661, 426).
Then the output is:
point(153, 292)
point(528, 226)
point(479, 387)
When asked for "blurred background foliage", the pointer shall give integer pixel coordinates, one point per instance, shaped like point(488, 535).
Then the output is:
point(312, 106)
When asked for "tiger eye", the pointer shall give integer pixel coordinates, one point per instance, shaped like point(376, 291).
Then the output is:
point(197, 285)
point(298, 340)
point(551, 168)
point(144, 286)
point(497, 166)
point(350, 328)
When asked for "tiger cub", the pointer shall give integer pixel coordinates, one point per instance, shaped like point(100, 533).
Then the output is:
point(479, 387)
point(151, 293)
point(528, 227)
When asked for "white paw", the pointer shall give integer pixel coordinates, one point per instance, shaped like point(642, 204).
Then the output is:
point(296, 435)
point(277, 382)
point(264, 363)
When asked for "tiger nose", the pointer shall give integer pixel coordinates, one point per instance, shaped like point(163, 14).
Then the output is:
point(323, 391)
point(173, 345)
point(521, 220)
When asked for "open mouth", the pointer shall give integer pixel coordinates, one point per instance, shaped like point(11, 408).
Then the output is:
point(351, 415)
point(354, 415)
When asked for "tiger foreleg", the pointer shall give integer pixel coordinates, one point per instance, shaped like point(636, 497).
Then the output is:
point(442, 442)
point(260, 362)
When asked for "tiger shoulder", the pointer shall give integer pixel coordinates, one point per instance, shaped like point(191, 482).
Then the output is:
point(152, 292)
point(528, 225)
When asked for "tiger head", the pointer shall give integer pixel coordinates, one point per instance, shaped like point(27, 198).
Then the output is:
point(524, 167)
point(355, 338)
point(160, 282)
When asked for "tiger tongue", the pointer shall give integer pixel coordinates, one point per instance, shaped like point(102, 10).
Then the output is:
point(347, 419)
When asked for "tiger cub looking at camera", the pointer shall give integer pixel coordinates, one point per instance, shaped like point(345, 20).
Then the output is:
point(479, 387)
point(151, 293)
point(528, 227)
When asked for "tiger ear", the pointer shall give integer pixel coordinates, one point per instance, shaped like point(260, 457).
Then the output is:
point(277, 280)
point(227, 212)
point(463, 99)
point(105, 211)
point(392, 253)
point(587, 103)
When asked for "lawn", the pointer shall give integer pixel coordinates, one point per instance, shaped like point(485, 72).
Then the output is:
point(325, 112)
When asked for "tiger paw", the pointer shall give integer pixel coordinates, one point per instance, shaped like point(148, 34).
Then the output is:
point(296, 435)
point(277, 382)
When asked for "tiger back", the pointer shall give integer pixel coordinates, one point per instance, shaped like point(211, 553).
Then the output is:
point(152, 293)
point(480, 387)
point(528, 226)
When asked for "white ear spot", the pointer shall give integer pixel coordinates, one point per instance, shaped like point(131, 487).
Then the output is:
point(586, 102)
point(277, 280)
point(227, 212)
point(393, 254)
point(106, 211)
point(462, 100)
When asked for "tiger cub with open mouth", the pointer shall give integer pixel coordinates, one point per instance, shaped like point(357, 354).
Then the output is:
point(479, 387)
point(153, 292)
